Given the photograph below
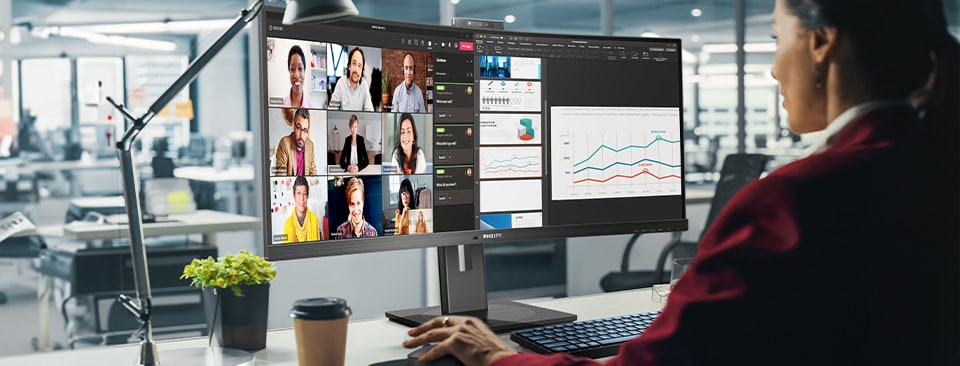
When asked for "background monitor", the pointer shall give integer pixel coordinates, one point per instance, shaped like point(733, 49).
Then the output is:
point(530, 136)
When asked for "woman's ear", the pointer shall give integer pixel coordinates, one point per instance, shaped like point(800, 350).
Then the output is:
point(823, 43)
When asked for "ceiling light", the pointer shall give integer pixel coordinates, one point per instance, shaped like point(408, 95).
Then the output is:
point(649, 34)
point(100, 38)
point(454, 2)
point(162, 27)
point(696, 12)
point(509, 19)
point(695, 38)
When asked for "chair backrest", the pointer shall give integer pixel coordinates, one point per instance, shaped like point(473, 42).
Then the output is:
point(737, 171)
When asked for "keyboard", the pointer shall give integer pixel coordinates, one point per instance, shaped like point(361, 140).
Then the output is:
point(586, 338)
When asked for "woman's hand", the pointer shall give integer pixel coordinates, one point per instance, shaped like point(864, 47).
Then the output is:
point(352, 168)
point(466, 338)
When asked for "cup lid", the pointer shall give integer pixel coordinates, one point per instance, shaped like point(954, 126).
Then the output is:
point(320, 308)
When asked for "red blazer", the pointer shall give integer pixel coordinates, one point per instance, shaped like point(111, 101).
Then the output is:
point(847, 257)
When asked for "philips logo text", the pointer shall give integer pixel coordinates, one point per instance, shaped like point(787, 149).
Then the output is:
point(493, 236)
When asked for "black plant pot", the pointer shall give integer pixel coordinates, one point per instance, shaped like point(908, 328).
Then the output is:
point(238, 322)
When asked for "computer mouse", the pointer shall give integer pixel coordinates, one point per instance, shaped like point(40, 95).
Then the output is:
point(447, 360)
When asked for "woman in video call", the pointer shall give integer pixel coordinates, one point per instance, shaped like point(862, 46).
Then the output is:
point(403, 208)
point(353, 156)
point(355, 226)
point(302, 225)
point(407, 155)
point(296, 64)
point(421, 224)
point(807, 266)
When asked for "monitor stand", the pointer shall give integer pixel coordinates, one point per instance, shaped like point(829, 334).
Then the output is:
point(463, 291)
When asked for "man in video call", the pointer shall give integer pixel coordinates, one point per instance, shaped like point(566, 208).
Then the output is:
point(295, 151)
point(407, 97)
point(354, 94)
point(355, 226)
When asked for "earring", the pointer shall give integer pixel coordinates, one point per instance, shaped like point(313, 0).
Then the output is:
point(821, 70)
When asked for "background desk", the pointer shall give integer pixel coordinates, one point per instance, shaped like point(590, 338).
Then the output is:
point(204, 180)
point(206, 222)
point(368, 341)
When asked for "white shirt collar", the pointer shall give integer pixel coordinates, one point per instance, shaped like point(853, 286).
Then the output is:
point(844, 119)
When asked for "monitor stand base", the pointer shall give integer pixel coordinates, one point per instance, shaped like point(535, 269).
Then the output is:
point(501, 316)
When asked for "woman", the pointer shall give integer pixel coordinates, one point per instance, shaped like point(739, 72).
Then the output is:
point(296, 64)
point(402, 216)
point(407, 155)
point(302, 225)
point(805, 266)
point(353, 156)
point(421, 224)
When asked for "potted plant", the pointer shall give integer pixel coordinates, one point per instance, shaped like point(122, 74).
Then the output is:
point(385, 88)
point(238, 317)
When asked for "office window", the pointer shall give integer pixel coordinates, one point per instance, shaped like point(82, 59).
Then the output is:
point(147, 78)
point(98, 78)
point(46, 92)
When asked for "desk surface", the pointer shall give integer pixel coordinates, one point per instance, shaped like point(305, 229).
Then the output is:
point(199, 222)
point(36, 166)
point(368, 341)
point(369, 170)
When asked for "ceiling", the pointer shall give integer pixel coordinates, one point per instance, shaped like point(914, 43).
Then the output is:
point(671, 18)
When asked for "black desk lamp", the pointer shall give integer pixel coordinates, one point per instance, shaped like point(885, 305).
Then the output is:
point(297, 11)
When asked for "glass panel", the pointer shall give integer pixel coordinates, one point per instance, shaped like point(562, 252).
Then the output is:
point(98, 78)
point(147, 78)
point(46, 92)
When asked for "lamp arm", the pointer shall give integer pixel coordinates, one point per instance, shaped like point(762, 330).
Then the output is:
point(246, 16)
point(148, 352)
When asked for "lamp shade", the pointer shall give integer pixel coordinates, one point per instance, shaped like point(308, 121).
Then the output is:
point(302, 11)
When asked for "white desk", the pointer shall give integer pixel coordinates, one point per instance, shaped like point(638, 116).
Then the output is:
point(241, 176)
point(368, 341)
point(206, 222)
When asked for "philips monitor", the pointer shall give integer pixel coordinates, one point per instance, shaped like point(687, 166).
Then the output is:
point(478, 137)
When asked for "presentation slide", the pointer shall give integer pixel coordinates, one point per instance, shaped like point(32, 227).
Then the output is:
point(509, 67)
point(510, 129)
point(510, 96)
point(624, 152)
point(511, 220)
point(511, 195)
point(511, 162)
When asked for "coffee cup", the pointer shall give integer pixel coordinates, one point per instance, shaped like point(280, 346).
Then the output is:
point(320, 326)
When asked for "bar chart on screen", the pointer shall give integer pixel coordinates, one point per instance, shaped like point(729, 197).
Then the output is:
point(624, 152)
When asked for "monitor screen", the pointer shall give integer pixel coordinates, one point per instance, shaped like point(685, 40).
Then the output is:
point(381, 135)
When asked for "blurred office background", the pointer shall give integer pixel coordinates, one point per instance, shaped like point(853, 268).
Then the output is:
point(59, 59)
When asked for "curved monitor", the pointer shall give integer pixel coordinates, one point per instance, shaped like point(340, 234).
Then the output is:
point(382, 135)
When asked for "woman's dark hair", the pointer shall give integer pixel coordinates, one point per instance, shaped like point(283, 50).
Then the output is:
point(892, 43)
point(301, 181)
point(404, 160)
point(405, 186)
point(296, 50)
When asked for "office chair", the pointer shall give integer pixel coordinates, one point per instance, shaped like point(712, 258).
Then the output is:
point(737, 171)
point(378, 159)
